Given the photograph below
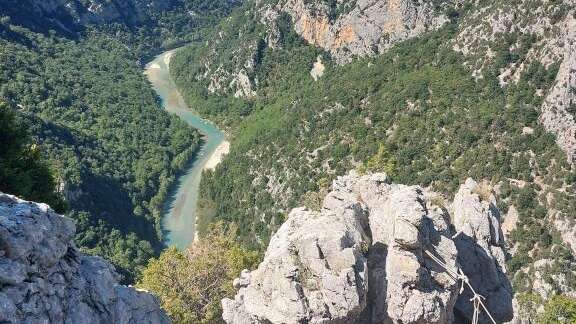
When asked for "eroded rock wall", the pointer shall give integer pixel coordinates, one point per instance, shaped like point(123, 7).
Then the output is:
point(559, 109)
point(364, 258)
point(45, 279)
point(362, 27)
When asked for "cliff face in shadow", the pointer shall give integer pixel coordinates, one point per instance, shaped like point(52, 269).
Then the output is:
point(70, 16)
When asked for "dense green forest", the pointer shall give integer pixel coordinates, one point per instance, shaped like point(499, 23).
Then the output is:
point(415, 112)
point(115, 152)
point(147, 27)
point(78, 87)
point(23, 170)
point(80, 91)
point(182, 22)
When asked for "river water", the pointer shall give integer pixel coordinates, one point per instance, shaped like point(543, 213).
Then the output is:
point(178, 219)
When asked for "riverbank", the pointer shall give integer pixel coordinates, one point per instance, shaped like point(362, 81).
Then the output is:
point(179, 212)
point(221, 151)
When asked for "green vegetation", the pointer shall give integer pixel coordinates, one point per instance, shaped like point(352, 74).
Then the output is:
point(559, 309)
point(182, 22)
point(23, 172)
point(94, 114)
point(191, 284)
point(147, 27)
point(416, 112)
point(79, 88)
point(382, 161)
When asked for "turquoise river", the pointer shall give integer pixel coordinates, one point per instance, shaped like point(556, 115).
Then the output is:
point(178, 219)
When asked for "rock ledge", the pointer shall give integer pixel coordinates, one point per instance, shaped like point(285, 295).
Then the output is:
point(45, 279)
point(363, 259)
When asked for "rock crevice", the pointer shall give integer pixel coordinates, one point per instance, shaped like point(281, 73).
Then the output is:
point(363, 258)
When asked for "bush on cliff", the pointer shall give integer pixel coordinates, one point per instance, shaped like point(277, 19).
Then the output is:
point(191, 283)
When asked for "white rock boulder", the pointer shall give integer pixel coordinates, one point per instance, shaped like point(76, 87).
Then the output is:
point(45, 279)
point(365, 258)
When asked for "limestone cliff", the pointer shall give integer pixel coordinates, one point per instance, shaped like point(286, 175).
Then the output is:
point(349, 29)
point(558, 111)
point(346, 29)
point(366, 257)
point(45, 279)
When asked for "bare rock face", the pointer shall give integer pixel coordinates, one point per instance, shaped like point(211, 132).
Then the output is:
point(481, 253)
point(315, 270)
point(360, 28)
point(558, 111)
point(365, 258)
point(414, 288)
point(45, 279)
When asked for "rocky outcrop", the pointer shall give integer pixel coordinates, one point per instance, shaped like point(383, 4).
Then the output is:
point(241, 82)
point(307, 275)
point(365, 257)
point(481, 250)
point(559, 109)
point(406, 285)
point(565, 226)
point(349, 29)
point(45, 279)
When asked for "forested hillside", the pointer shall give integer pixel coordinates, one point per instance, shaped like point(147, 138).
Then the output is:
point(23, 169)
point(426, 112)
point(431, 92)
point(79, 88)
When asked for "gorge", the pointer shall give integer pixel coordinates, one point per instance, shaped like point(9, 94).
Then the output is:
point(353, 130)
point(178, 219)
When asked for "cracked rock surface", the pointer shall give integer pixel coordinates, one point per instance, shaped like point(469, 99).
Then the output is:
point(361, 28)
point(363, 259)
point(45, 279)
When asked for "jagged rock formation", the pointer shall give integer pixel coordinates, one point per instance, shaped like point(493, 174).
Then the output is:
point(45, 279)
point(360, 28)
point(558, 111)
point(481, 250)
point(565, 226)
point(363, 259)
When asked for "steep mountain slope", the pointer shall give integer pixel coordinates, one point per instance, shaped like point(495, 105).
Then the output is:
point(70, 16)
point(23, 170)
point(359, 28)
point(72, 70)
point(147, 26)
point(115, 151)
point(470, 98)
